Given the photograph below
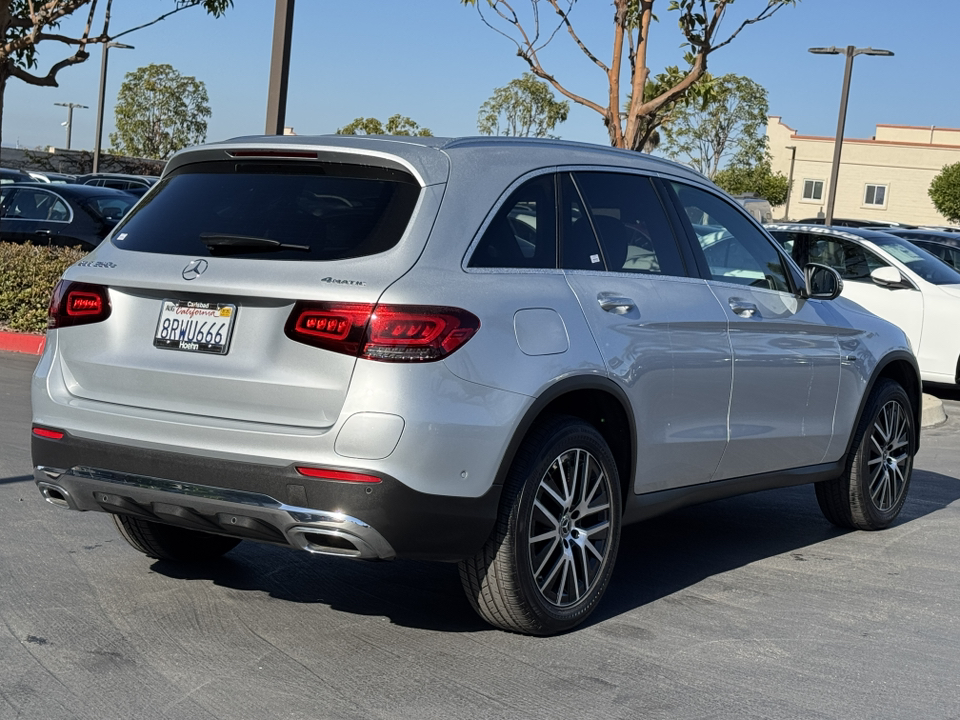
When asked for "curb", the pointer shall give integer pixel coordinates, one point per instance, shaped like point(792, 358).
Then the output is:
point(932, 412)
point(22, 343)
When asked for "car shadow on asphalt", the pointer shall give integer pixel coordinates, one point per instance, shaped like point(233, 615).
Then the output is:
point(657, 558)
point(15, 479)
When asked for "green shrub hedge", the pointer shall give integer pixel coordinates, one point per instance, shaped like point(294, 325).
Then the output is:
point(28, 274)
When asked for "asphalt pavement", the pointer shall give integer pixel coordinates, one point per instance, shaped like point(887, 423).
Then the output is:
point(752, 607)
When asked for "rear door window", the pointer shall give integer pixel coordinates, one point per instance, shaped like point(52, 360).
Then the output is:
point(625, 211)
point(273, 211)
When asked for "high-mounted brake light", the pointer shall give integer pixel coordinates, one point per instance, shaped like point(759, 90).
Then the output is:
point(78, 304)
point(389, 333)
point(273, 154)
point(48, 433)
point(336, 475)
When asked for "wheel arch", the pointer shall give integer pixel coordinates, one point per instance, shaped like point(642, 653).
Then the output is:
point(901, 367)
point(596, 400)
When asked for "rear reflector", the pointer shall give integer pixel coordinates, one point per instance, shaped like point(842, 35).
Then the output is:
point(337, 475)
point(78, 304)
point(48, 433)
point(389, 333)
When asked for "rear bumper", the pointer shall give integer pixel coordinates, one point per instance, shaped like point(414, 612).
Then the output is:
point(263, 502)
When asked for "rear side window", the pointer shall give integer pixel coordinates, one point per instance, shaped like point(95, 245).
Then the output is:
point(523, 233)
point(275, 211)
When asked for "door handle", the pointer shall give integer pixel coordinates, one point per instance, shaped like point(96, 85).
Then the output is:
point(743, 308)
point(616, 304)
point(42, 231)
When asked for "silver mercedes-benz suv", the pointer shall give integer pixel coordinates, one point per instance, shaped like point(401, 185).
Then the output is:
point(491, 351)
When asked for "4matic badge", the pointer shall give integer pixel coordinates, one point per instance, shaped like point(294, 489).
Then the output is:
point(338, 281)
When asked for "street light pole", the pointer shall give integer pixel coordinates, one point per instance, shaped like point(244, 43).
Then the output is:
point(103, 90)
point(69, 122)
point(850, 53)
point(793, 159)
point(279, 67)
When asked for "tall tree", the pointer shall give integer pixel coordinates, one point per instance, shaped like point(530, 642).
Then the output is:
point(945, 192)
point(524, 107)
point(395, 125)
point(728, 127)
point(626, 71)
point(159, 111)
point(24, 24)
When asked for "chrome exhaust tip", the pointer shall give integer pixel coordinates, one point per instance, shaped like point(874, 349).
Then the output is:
point(56, 495)
point(324, 541)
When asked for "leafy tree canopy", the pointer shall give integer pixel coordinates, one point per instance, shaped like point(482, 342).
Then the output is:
point(702, 29)
point(525, 107)
point(159, 111)
point(24, 24)
point(759, 180)
point(395, 125)
point(945, 192)
point(728, 126)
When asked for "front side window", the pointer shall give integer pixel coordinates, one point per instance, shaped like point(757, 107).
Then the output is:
point(735, 250)
point(523, 233)
point(813, 190)
point(852, 261)
point(875, 195)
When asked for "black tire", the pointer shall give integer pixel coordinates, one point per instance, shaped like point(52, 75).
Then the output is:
point(166, 542)
point(552, 552)
point(871, 492)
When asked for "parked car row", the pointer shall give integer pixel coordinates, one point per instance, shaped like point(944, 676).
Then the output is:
point(492, 351)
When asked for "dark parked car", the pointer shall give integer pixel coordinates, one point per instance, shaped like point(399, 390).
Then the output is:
point(942, 243)
point(119, 181)
point(66, 215)
point(9, 175)
point(850, 222)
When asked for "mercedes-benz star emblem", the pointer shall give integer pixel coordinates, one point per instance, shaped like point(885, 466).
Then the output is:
point(194, 269)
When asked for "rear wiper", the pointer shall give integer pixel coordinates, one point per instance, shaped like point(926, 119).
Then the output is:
point(245, 243)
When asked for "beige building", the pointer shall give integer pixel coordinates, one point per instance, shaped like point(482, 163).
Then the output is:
point(885, 177)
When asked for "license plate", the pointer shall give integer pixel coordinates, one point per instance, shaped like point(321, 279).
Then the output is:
point(195, 326)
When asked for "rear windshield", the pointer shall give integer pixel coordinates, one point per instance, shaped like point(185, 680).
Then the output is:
point(270, 210)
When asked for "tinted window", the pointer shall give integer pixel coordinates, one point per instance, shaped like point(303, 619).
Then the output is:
point(634, 233)
point(735, 250)
point(282, 211)
point(111, 207)
point(29, 204)
point(852, 261)
point(523, 233)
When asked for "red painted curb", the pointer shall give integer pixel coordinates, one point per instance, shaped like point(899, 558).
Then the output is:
point(22, 343)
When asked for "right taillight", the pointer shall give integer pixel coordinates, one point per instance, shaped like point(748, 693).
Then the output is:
point(388, 333)
point(76, 303)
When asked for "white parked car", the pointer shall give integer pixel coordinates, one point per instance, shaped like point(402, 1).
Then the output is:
point(893, 278)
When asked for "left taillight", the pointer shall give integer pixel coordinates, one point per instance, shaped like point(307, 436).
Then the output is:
point(389, 333)
point(76, 303)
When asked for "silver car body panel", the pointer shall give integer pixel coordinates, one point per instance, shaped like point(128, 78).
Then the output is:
point(447, 428)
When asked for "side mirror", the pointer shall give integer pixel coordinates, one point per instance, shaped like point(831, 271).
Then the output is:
point(822, 282)
point(889, 277)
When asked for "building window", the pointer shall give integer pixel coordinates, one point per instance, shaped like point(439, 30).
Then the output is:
point(875, 196)
point(813, 190)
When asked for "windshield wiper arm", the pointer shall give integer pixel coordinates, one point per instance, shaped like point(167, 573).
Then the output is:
point(246, 243)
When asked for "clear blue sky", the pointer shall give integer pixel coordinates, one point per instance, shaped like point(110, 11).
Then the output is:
point(436, 62)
